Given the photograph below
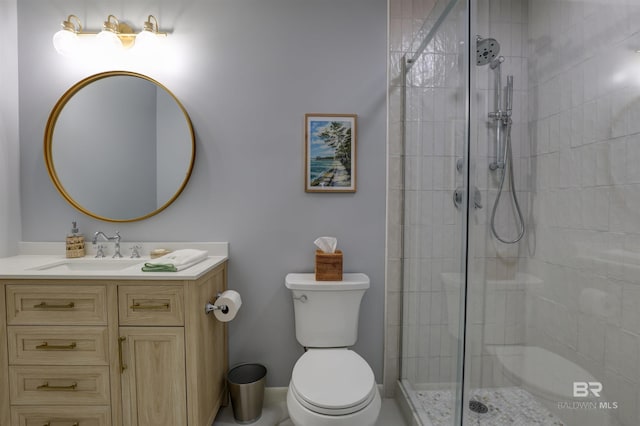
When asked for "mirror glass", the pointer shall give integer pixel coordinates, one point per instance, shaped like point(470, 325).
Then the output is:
point(119, 146)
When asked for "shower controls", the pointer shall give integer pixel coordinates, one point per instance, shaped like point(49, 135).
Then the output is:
point(458, 194)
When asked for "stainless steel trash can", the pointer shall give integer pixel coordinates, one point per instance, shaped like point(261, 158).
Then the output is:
point(246, 388)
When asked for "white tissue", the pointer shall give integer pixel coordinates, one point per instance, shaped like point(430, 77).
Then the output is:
point(232, 301)
point(326, 244)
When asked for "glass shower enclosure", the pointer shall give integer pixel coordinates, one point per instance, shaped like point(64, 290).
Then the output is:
point(521, 213)
point(436, 130)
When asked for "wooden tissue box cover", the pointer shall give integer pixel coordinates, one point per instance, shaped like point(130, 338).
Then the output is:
point(328, 266)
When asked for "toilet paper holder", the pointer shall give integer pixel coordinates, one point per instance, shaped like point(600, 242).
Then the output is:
point(210, 307)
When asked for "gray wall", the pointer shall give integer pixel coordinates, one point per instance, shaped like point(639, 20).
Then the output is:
point(246, 71)
point(172, 137)
point(9, 147)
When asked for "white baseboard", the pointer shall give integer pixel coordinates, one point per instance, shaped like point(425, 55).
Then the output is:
point(275, 394)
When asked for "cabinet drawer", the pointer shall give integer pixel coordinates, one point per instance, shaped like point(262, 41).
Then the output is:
point(60, 416)
point(58, 345)
point(56, 304)
point(59, 385)
point(145, 305)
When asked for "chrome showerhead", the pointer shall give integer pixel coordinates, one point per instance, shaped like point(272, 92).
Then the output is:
point(487, 50)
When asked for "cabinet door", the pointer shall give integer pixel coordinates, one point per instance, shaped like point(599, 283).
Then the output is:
point(153, 376)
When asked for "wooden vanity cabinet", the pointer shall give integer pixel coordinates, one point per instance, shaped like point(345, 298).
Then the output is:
point(153, 385)
point(103, 352)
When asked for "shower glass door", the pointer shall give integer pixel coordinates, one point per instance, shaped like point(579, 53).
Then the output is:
point(435, 213)
point(522, 115)
point(552, 325)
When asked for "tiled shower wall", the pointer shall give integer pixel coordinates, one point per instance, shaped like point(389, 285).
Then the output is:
point(584, 117)
point(405, 20)
point(435, 132)
point(496, 297)
point(434, 140)
point(573, 285)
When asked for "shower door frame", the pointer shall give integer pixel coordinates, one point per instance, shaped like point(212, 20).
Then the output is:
point(468, 80)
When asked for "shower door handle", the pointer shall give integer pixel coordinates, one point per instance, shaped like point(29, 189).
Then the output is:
point(459, 192)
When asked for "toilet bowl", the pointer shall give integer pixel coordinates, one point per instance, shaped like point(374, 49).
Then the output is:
point(330, 385)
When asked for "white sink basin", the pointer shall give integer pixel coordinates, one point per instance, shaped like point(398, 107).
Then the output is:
point(95, 265)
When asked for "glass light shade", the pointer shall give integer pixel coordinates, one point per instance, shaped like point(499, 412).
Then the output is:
point(66, 42)
point(109, 40)
point(147, 40)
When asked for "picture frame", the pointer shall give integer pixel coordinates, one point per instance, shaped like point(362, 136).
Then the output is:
point(330, 152)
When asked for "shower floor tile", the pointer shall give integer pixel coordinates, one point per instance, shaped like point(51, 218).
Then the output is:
point(509, 406)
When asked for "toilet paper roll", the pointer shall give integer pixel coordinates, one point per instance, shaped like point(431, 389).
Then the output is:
point(232, 300)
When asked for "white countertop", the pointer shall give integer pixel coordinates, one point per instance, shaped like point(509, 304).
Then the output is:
point(33, 256)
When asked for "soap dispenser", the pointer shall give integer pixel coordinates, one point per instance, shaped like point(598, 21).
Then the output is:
point(75, 243)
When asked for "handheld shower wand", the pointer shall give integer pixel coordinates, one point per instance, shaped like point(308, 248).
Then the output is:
point(507, 167)
point(486, 53)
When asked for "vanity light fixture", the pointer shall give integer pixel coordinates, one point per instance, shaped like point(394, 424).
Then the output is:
point(66, 40)
point(115, 35)
point(148, 37)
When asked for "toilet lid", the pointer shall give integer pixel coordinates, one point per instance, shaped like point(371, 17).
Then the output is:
point(333, 381)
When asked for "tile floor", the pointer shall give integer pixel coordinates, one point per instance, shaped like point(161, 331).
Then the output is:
point(507, 406)
point(274, 412)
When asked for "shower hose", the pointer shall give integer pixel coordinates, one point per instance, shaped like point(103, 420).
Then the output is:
point(507, 162)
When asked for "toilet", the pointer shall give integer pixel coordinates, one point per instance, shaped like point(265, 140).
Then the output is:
point(331, 385)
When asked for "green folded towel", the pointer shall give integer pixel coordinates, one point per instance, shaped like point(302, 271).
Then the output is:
point(175, 261)
point(159, 267)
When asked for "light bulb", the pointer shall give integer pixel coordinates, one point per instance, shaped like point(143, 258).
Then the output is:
point(109, 40)
point(147, 40)
point(66, 42)
point(108, 37)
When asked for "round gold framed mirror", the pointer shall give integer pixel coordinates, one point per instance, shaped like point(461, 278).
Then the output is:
point(119, 146)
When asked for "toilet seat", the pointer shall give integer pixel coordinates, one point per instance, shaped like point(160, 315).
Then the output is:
point(333, 382)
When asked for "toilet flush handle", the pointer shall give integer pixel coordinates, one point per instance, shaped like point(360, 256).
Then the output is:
point(302, 298)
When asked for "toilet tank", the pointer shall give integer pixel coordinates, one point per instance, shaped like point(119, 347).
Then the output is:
point(326, 312)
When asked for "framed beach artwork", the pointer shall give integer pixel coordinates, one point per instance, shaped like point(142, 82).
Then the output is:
point(330, 153)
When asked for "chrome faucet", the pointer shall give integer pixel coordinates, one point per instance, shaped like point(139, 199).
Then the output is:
point(115, 239)
point(135, 251)
point(100, 251)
